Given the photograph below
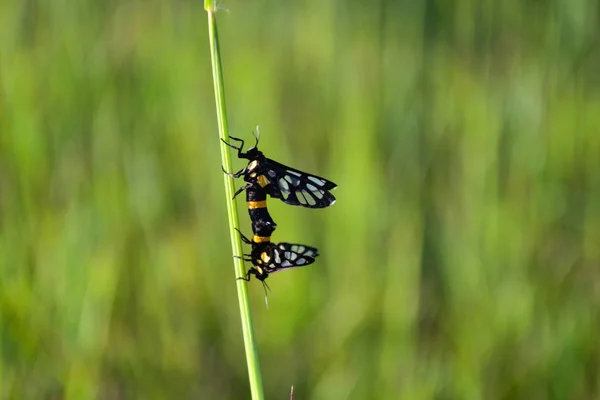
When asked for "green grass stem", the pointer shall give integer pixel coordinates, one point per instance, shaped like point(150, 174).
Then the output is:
point(254, 373)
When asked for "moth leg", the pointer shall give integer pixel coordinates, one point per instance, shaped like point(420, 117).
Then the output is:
point(240, 190)
point(237, 174)
point(247, 277)
point(241, 154)
point(244, 238)
point(230, 145)
point(237, 140)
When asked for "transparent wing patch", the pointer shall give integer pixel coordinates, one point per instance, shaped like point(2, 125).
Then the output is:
point(287, 256)
point(298, 188)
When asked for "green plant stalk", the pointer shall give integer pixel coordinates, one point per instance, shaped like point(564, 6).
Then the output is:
point(254, 373)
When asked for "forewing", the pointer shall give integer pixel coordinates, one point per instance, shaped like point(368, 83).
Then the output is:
point(289, 255)
point(296, 187)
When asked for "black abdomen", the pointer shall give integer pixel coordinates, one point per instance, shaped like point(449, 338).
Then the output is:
point(262, 223)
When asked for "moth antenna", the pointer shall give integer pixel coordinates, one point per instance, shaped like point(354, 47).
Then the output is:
point(265, 286)
point(256, 135)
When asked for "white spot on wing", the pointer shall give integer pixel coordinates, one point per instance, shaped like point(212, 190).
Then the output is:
point(318, 194)
point(300, 197)
point(309, 198)
point(286, 263)
point(311, 187)
point(283, 185)
point(316, 180)
point(293, 172)
point(272, 173)
point(301, 261)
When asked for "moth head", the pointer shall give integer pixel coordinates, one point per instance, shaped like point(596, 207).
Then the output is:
point(253, 152)
point(260, 273)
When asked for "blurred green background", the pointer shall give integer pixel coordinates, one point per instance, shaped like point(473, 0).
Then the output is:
point(461, 260)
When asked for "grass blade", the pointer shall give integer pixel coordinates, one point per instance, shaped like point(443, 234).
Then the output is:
point(242, 289)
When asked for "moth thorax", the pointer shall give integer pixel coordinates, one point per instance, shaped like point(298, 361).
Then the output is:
point(262, 181)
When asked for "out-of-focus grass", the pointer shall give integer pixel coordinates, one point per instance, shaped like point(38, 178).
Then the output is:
point(460, 261)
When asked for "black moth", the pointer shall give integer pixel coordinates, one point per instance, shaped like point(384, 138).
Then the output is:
point(279, 181)
point(268, 257)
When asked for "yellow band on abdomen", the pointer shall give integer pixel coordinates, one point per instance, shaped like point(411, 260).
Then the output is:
point(261, 239)
point(257, 204)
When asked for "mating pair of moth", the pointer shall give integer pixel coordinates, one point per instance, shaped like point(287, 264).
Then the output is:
point(263, 177)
